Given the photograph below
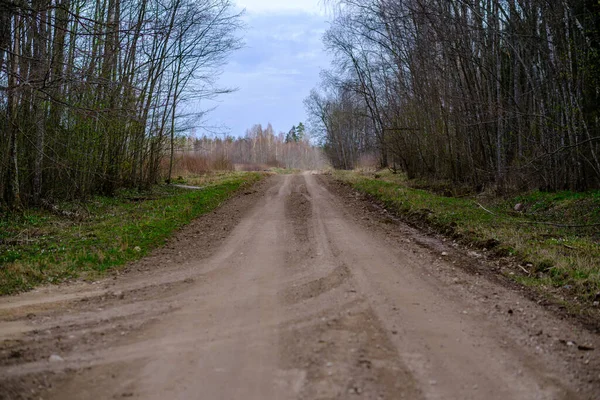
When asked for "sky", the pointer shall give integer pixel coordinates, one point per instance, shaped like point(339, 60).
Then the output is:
point(276, 69)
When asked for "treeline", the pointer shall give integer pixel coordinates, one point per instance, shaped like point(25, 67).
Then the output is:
point(478, 92)
point(91, 90)
point(258, 149)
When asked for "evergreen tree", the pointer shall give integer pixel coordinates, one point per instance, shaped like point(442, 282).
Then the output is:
point(300, 132)
point(292, 135)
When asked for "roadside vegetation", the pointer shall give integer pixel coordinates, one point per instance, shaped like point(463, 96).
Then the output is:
point(555, 236)
point(86, 239)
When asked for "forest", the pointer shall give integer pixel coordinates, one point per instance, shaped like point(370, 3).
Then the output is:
point(501, 94)
point(260, 148)
point(93, 92)
point(504, 94)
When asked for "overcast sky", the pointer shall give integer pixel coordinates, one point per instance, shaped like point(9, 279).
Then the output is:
point(276, 69)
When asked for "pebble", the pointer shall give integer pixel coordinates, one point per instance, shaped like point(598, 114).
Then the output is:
point(55, 358)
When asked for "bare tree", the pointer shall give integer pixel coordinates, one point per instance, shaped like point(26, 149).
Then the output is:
point(91, 91)
point(483, 92)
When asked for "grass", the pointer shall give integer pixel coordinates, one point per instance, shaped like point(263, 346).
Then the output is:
point(560, 258)
point(284, 171)
point(212, 177)
point(38, 247)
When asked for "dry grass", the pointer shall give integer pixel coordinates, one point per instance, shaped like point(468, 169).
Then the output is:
point(194, 164)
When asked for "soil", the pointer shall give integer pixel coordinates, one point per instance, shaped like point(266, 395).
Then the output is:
point(298, 288)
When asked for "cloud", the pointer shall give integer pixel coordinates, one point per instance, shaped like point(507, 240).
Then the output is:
point(275, 71)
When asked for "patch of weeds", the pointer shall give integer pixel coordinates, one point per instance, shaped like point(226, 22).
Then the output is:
point(284, 171)
point(41, 247)
point(543, 266)
point(211, 177)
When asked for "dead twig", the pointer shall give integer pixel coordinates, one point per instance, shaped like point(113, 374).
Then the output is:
point(557, 225)
point(542, 222)
point(486, 210)
point(524, 270)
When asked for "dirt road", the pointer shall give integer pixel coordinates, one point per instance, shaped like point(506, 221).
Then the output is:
point(299, 290)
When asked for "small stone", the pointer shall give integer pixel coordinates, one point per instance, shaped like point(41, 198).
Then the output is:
point(518, 207)
point(55, 358)
point(444, 254)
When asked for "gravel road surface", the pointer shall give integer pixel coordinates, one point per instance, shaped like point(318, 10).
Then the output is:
point(296, 289)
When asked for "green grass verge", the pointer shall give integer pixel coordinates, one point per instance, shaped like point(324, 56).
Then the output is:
point(39, 247)
point(554, 257)
point(285, 171)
